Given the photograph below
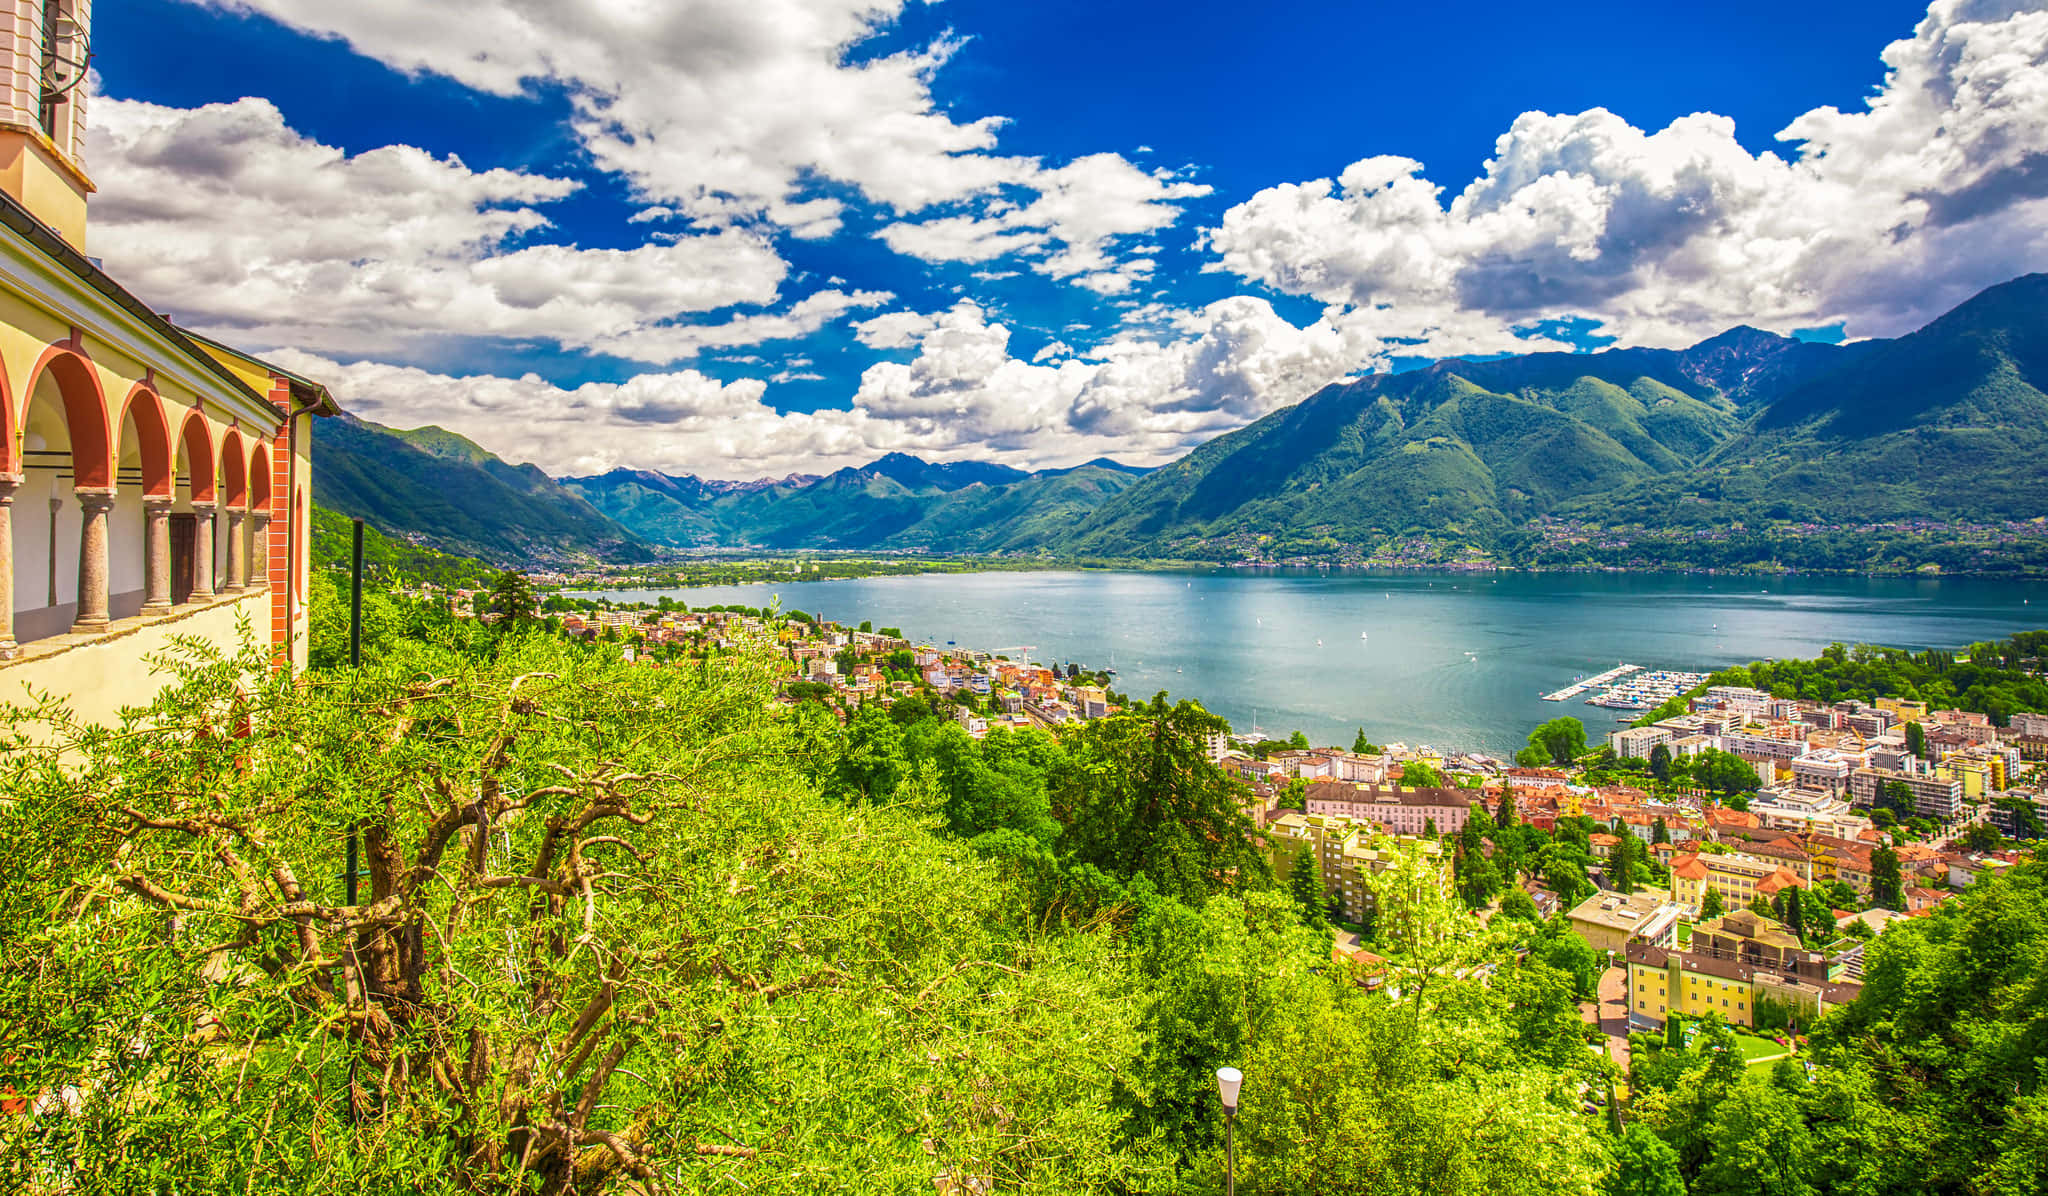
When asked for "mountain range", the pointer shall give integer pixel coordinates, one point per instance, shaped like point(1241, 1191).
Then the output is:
point(896, 502)
point(1746, 429)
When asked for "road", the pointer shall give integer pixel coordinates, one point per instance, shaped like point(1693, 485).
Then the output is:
point(1610, 1013)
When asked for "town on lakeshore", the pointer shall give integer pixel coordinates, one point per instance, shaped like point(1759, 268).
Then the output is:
point(413, 417)
point(1730, 800)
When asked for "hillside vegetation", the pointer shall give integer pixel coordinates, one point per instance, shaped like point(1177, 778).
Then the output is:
point(631, 929)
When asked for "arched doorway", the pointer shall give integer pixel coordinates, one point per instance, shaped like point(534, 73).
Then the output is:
point(138, 577)
point(191, 519)
point(230, 526)
point(60, 509)
point(260, 514)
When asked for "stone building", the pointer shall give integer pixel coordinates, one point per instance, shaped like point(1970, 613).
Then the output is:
point(152, 483)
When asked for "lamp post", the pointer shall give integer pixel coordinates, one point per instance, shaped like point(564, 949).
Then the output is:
point(1228, 1080)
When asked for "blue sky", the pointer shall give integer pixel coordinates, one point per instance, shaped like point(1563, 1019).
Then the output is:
point(740, 237)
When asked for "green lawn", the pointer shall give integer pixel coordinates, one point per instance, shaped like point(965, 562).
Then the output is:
point(1758, 1050)
point(1684, 933)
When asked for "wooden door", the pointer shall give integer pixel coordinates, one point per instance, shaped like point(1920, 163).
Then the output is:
point(184, 530)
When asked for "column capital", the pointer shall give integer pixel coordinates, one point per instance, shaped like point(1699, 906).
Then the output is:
point(95, 498)
point(204, 506)
point(157, 504)
point(9, 483)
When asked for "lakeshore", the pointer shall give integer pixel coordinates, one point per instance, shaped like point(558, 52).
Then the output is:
point(1453, 659)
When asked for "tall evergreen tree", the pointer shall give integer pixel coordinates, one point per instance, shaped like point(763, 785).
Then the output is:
point(1305, 885)
point(1660, 762)
point(1621, 865)
point(1886, 886)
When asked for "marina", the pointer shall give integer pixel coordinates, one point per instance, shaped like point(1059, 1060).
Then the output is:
point(1578, 687)
point(1648, 690)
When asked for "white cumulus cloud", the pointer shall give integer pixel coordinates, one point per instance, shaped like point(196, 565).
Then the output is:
point(1879, 219)
point(241, 226)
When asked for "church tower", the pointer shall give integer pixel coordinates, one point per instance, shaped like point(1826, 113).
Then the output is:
point(45, 46)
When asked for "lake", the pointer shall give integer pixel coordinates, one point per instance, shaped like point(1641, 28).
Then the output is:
point(1458, 661)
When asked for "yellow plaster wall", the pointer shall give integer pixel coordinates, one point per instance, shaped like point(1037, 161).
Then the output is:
point(29, 171)
point(254, 376)
point(1601, 938)
point(99, 677)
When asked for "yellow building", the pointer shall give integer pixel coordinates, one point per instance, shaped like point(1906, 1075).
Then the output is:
point(1731, 964)
point(1909, 712)
point(1611, 921)
point(1980, 775)
point(152, 483)
point(1739, 878)
point(1346, 854)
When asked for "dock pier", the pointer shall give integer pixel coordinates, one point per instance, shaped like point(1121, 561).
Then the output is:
point(1575, 689)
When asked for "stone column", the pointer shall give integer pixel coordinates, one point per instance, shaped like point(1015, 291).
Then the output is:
point(259, 549)
point(9, 482)
point(93, 505)
point(56, 508)
point(238, 553)
point(156, 554)
point(202, 552)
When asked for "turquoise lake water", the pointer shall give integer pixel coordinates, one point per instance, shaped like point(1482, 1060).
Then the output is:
point(1458, 661)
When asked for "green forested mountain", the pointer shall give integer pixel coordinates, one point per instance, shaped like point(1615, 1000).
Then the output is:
point(898, 502)
point(1746, 428)
point(1748, 448)
point(1949, 422)
point(434, 487)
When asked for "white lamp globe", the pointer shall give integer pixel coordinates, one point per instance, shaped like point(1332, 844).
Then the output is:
point(1228, 1081)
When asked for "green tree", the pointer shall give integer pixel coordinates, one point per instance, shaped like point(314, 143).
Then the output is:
point(1297, 741)
point(872, 763)
point(1724, 773)
point(2026, 817)
point(1660, 762)
point(1620, 870)
point(1886, 886)
point(1710, 904)
point(1305, 885)
point(1562, 948)
point(512, 599)
point(1140, 796)
point(592, 932)
point(1896, 796)
point(1760, 1144)
point(1417, 775)
point(1982, 837)
point(1477, 878)
point(1363, 746)
point(1916, 740)
point(1659, 832)
point(1644, 1165)
point(1342, 1098)
point(1557, 742)
point(910, 710)
point(1519, 906)
point(1562, 865)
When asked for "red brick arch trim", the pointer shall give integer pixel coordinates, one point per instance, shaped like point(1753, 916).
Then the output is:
point(85, 412)
point(153, 431)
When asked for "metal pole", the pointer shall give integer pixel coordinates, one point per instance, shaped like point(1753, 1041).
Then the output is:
point(355, 660)
point(355, 603)
point(1230, 1153)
